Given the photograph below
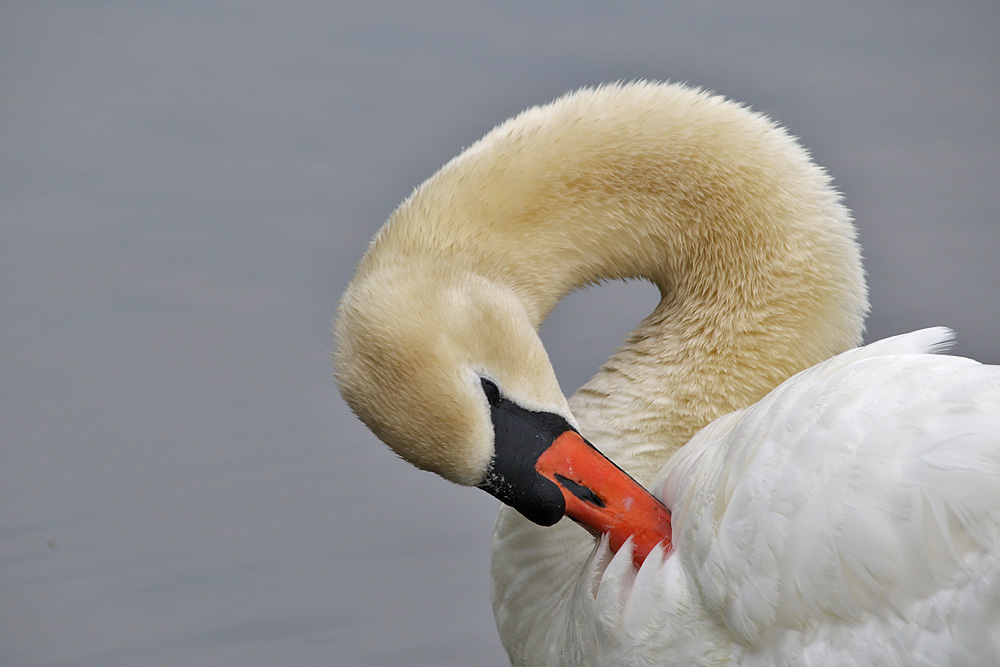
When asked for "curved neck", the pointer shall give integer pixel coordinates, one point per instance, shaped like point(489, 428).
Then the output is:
point(752, 252)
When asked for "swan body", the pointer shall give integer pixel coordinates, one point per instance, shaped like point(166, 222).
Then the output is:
point(847, 516)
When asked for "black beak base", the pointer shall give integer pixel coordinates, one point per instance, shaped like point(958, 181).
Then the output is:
point(520, 437)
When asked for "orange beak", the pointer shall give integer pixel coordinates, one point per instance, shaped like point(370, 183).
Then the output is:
point(545, 469)
point(603, 498)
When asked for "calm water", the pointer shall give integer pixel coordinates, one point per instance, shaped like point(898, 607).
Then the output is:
point(185, 190)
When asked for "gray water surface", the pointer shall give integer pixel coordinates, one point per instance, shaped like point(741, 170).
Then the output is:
point(185, 190)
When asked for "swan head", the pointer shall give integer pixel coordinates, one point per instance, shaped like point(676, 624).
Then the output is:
point(415, 342)
point(446, 368)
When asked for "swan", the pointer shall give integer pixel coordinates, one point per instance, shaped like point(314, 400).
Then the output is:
point(763, 491)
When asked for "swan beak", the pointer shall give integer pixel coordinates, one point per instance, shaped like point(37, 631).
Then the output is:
point(603, 498)
point(545, 469)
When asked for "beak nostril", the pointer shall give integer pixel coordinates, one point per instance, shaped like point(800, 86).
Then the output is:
point(580, 491)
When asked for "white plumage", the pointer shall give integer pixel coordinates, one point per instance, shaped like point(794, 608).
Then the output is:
point(849, 516)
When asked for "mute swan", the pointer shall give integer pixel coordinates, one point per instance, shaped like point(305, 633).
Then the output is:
point(849, 516)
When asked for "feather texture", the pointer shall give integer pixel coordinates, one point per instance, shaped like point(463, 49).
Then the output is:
point(848, 517)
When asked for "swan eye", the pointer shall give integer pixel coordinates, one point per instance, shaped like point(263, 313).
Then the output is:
point(492, 392)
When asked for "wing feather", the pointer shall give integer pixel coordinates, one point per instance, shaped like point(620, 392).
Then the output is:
point(853, 512)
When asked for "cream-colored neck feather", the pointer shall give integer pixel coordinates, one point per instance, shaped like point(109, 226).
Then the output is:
point(753, 253)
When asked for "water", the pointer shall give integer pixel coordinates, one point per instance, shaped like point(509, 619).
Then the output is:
point(186, 188)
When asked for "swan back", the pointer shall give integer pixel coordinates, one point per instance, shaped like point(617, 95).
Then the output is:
point(849, 517)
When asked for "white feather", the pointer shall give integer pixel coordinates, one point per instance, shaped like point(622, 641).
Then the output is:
point(853, 514)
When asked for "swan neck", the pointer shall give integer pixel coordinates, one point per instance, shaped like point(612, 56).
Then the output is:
point(748, 243)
